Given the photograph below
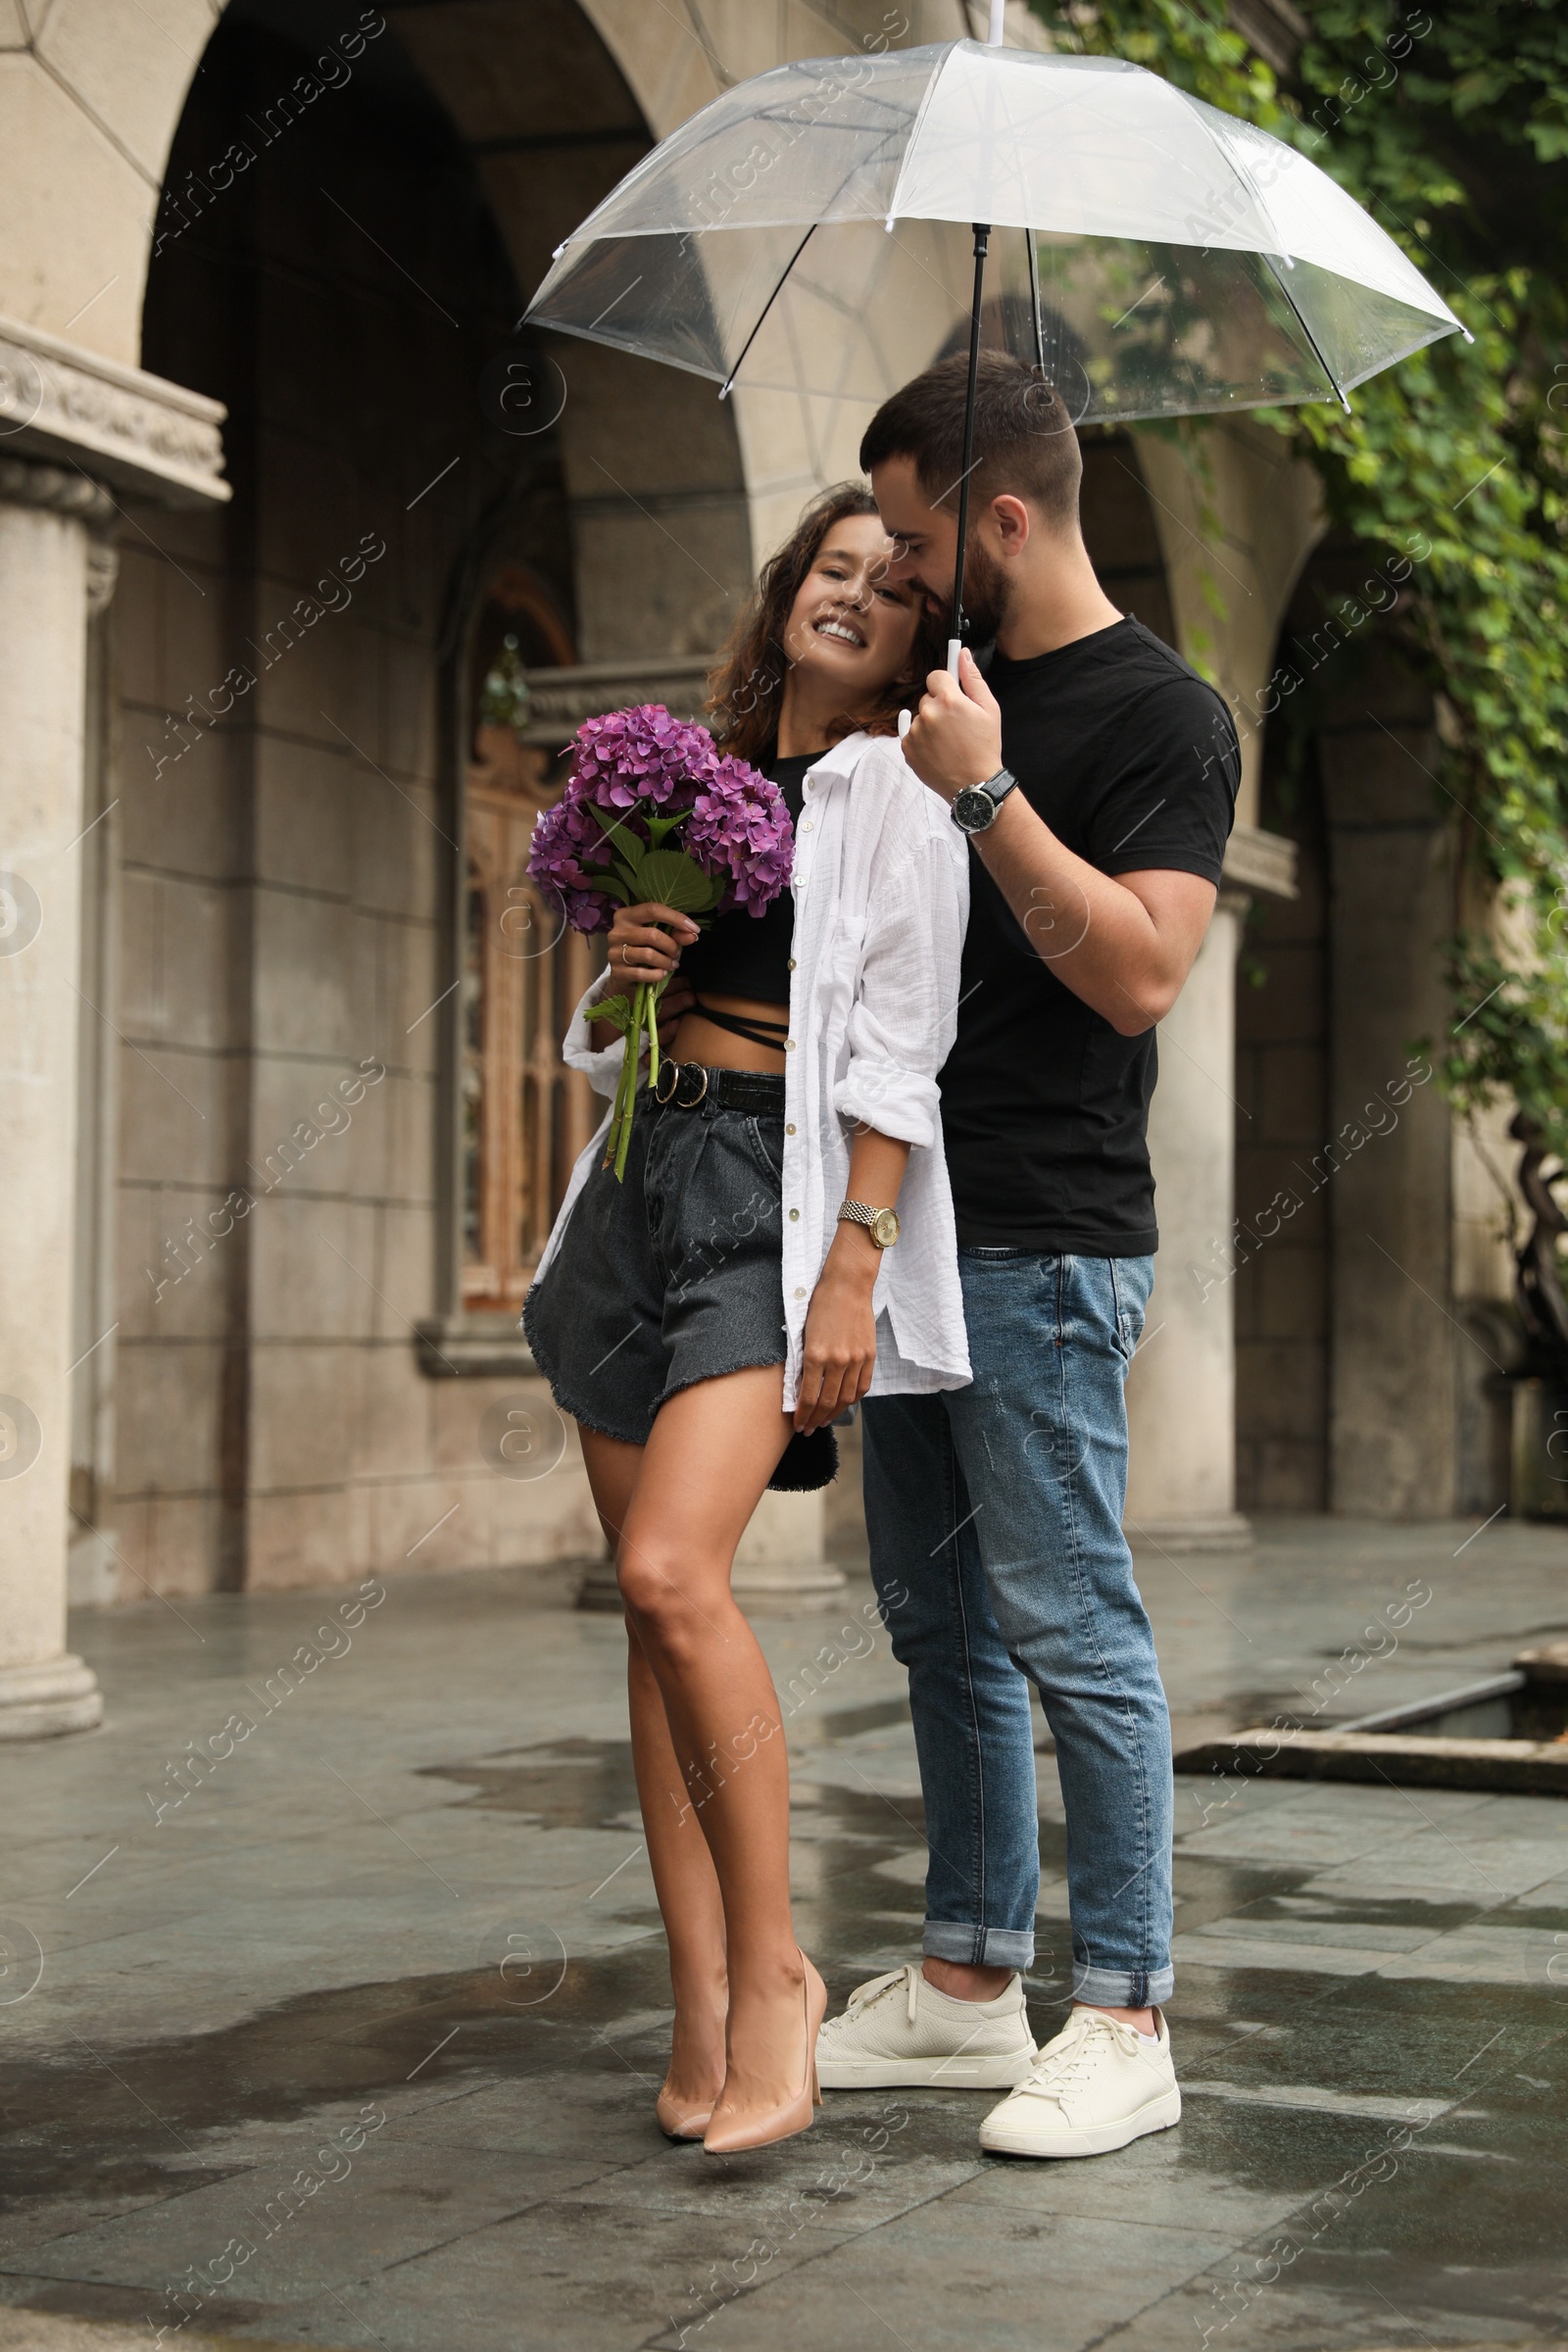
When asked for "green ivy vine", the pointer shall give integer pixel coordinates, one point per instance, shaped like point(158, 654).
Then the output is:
point(1451, 127)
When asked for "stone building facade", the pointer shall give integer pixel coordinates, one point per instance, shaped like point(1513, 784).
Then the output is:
point(308, 568)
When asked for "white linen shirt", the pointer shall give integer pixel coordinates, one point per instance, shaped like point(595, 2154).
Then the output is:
point(881, 890)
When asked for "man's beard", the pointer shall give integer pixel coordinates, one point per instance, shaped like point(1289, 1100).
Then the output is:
point(986, 595)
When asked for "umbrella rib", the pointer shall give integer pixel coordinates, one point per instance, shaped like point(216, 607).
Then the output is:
point(1317, 350)
point(1034, 299)
point(728, 385)
point(1279, 276)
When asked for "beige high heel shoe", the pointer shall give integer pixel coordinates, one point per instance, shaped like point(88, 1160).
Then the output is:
point(761, 2129)
point(677, 2122)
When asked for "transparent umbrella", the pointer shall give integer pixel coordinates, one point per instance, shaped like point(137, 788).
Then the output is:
point(827, 230)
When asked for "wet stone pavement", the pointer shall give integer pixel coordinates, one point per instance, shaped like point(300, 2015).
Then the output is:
point(356, 2042)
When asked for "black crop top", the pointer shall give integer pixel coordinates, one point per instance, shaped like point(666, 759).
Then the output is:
point(743, 955)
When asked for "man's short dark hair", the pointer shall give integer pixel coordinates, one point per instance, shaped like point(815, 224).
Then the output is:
point(1024, 442)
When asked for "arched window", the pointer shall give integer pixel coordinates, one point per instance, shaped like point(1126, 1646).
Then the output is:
point(524, 1117)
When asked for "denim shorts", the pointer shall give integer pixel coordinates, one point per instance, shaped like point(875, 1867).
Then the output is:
point(674, 1275)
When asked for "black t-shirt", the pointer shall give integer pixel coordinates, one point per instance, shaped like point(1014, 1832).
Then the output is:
point(741, 955)
point(1133, 762)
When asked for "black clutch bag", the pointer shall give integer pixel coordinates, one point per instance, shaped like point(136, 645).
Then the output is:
point(809, 1461)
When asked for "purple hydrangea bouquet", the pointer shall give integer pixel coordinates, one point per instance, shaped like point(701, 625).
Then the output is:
point(654, 811)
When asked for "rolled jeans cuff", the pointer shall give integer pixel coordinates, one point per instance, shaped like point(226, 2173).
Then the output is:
point(978, 1947)
point(1121, 1988)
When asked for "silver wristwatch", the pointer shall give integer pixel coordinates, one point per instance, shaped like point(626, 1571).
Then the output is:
point(976, 806)
point(882, 1224)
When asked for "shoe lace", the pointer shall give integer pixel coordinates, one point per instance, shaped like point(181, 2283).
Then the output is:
point(1068, 2061)
point(865, 1996)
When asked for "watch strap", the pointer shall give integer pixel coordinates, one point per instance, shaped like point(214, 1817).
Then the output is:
point(994, 791)
point(856, 1213)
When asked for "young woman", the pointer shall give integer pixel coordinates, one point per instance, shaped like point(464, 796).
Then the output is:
point(719, 1308)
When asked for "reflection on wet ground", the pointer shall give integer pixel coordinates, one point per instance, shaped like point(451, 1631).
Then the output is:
point(359, 2045)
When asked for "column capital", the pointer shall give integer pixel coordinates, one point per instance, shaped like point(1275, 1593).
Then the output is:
point(1259, 864)
point(60, 489)
point(67, 410)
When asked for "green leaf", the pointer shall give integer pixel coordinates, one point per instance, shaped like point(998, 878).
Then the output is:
point(675, 880)
point(1450, 125)
point(619, 1011)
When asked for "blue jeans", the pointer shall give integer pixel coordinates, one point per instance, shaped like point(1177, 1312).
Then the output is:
point(995, 1522)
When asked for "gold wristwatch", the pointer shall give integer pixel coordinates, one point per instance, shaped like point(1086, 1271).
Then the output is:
point(882, 1224)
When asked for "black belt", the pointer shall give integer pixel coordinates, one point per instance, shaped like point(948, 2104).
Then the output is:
point(683, 1085)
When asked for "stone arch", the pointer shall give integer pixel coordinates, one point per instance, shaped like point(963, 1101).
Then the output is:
point(291, 885)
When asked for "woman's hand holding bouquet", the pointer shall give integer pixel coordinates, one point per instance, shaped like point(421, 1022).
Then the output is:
point(652, 814)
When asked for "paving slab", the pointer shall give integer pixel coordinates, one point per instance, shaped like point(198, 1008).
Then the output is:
point(1371, 1991)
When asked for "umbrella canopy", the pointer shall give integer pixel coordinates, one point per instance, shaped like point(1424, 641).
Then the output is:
point(1171, 259)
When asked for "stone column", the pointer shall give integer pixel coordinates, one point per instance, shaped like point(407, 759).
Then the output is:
point(782, 1568)
point(44, 516)
point(1180, 1395)
point(1235, 529)
point(70, 424)
point(1395, 1345)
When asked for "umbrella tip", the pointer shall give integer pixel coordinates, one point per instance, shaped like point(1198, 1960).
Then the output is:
point(995, 35)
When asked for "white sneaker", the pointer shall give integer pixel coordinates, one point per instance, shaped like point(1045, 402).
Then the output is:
point(901, 2029)
point(1096, 2086)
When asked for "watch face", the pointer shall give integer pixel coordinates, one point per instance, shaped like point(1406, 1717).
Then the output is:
point(885, 1228)
point(973, 810)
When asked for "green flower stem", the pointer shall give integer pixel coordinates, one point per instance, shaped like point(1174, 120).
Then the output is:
point(644, 1022)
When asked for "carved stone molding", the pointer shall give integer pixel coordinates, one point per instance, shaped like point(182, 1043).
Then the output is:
point(63, 490)
point(465, 1347)
point(153, 440)
point(102, 572)
point(1256, 861)
point(39, 1702)
point(560, 700)
point(59, 488)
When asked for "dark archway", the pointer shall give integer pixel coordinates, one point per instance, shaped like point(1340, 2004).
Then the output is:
point(350, 227)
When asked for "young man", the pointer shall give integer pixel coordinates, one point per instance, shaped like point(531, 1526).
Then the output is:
point(1096, 776)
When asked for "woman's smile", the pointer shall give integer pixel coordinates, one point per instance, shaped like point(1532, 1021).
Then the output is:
point(848, 617)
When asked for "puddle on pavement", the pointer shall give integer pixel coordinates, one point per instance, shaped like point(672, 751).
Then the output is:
point(564, 1785)
point(78, 2130)
point(839, 1724)
point(71, 2125)
point(588, 1783)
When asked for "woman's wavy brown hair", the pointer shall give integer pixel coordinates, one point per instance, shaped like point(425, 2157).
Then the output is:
point(746, 685)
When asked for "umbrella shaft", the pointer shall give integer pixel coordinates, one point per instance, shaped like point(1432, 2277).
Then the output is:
point(981, 240)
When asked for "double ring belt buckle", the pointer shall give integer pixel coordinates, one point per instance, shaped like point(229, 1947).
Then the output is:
point(680, 1073)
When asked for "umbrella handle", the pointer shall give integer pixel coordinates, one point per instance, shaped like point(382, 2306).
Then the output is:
point(981, 240)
